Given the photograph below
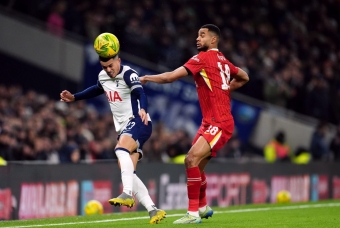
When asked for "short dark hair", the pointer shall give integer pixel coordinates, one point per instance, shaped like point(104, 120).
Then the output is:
point(213, 28)
point(102, 59)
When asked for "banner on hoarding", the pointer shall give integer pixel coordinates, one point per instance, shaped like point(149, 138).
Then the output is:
point(48, 200)
point(28, 191)
point(96, 190)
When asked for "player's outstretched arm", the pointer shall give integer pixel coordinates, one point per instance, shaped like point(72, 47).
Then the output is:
point(166, 77)
point(90, 92)
point(239, 80)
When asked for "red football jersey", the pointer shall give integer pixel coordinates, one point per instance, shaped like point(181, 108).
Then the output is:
point(212, 72)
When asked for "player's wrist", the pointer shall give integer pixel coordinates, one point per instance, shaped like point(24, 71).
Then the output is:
point(146, 78)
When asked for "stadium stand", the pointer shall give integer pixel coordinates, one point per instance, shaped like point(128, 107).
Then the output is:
point(289, 49)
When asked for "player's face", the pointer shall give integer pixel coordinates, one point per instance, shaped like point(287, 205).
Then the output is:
point(111, 67)
point(204, 39)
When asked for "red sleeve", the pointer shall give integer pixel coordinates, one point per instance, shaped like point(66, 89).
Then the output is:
point(194, 64)
point(233, 69)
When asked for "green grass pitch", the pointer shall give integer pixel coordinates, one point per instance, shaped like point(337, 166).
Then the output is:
point(295, 215)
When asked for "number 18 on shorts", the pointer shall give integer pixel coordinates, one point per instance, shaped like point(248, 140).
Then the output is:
point(216, 134)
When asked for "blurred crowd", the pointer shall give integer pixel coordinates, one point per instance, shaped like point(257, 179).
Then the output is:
point(319, 149)
point(34, 127)
point(289, 48)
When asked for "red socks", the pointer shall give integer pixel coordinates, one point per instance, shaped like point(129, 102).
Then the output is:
point(203, 199)
point(193, 186)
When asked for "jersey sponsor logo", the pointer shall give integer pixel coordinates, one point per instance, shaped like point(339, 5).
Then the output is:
point(195, 58)
point(134, 78)
point(113, 96)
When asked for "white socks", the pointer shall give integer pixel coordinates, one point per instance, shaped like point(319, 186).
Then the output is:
point(142, 194)
point(202, 209)
point(127, 169)
point(193, 213)
point(196, 213)
point(131, 182)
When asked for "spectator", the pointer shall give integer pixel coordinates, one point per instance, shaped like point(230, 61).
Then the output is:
point(335, 108)
point(232, 149)
point(99, 150)
point(318, 145)
point(55, 21)
point(335, 145)
point(277, 91)
point(301, 156)
point(317, 98)
point(6, 149)
point(277, 149)
point(69, 154)
point(156, 147)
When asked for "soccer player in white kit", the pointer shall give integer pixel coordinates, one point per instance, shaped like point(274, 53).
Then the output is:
point(128, 104)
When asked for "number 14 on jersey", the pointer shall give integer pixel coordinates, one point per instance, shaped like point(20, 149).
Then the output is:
point(225, 75)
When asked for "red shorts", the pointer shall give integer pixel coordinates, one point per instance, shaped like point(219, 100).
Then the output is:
point(216, 134)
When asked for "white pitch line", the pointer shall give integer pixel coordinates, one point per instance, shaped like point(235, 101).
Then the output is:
point(175, 215)
point(279, 208)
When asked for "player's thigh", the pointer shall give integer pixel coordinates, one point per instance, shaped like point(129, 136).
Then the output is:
point(199, 151)
point(222, 136)
point(216, 135)
point(127, 142)
point(128, 139)
point(134, 136)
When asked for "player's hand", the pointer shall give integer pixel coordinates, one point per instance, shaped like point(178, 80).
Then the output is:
point(143, 116)
point(142, 80)
point(66, 96)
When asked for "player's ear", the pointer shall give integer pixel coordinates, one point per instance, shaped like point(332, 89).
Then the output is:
point(214, 39)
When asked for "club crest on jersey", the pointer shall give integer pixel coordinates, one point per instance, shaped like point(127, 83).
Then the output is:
point(195, 58)
point(117, 81)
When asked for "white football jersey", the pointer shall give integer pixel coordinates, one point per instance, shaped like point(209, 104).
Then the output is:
point(123, 104)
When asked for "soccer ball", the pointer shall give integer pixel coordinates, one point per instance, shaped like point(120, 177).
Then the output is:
point(106, 45)
point(93, 207)
point(283, 196)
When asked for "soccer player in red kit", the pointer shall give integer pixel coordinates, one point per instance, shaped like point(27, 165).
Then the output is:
point(215, 77)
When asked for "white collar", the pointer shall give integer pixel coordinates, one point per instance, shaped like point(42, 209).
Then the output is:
point(213, 49)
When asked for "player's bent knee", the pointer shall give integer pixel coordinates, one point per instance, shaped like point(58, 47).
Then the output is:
point(191, 160)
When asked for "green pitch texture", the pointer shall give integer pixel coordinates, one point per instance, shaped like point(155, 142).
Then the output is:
point(295, 215)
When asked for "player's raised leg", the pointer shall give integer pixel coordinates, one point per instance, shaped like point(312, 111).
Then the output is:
point(142, 194)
